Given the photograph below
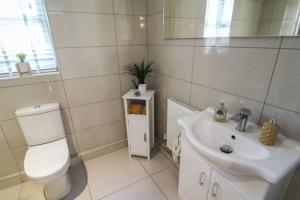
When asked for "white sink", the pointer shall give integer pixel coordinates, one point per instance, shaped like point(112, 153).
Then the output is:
point(249, 156)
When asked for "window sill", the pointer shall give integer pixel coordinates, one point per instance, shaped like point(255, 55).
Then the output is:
point(29, 79)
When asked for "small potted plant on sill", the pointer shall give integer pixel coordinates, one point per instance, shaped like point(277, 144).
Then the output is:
point(22, 66)
point(140, 71)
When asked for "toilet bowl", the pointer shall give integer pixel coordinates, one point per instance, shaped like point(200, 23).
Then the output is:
point(47, 159)
point(47, 164)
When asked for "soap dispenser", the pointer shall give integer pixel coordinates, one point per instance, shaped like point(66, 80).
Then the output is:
point(220, 112)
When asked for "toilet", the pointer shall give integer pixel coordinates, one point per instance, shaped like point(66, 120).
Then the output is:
point(47, 159)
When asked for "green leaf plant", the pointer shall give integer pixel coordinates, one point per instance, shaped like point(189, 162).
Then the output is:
point(140, 71)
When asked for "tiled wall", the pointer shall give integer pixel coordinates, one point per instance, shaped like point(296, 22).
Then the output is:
point(261, 74)
point(93, 40)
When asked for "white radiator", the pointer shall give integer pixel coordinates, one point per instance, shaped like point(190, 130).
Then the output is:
point(176, 110)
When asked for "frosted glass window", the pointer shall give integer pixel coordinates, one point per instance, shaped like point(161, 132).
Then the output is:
point(24, 28)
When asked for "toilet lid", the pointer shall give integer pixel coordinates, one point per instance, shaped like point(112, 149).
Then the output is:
point(46, 160)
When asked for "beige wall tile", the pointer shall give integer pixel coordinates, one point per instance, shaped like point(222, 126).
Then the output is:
point(67, 121)
point(13, 98)
point(101, 135)
point(173, 88)
point(19, 155)
point(101, 6)
point(126, 82)
point(131, 54)
point(8, 164)
point(13, 133)
point(202, 98)
point(154, 6)
point(174, 61)
point(92, 90)
point(82, 29)
point(291, 42)
point(284, 90)
point(72, 144)
point(3, 141)
point(130, 7)
point(240, 71)
point(131, 29)
point(87, 61)
point(7, 186)
point(93, 115)
point(11, 192)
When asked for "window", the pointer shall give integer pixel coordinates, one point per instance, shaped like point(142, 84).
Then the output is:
point(24, 28)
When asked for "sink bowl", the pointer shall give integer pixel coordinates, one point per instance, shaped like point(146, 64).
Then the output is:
point(238, 152)
point(214, 136)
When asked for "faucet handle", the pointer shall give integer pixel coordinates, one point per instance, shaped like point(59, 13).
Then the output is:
point(245, 112)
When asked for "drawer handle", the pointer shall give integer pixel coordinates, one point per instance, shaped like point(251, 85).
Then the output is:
point(145, 137)
point(202, 178)
point(214, 190)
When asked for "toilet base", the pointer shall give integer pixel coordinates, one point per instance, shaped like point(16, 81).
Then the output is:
point(58, 188)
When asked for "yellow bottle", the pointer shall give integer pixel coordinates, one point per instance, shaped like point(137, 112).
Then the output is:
point(220, 113)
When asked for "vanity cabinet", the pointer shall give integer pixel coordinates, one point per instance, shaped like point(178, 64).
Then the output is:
point(197, 180)
point(200, 180)
point(222, 189)
point(194, 176)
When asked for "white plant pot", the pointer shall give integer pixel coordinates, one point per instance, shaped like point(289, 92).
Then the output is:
point(23, 68)
point(142, 88)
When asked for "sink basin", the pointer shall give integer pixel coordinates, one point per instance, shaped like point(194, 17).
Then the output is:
point(238, 152)
point(213, 136)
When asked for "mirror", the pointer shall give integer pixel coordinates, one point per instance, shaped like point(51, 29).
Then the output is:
point(230, 18)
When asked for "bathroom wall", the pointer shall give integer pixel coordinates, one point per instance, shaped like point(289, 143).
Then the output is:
point(261, 74)
point(93, 40)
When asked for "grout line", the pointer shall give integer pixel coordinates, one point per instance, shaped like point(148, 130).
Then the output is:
point(212, 46)
point(270, 82)
point(96, 102)
point(193, 66)
point(117, 50)
point(204, 86)
point(99, 46)
point(99, 125)
point(93, 13)
point(127, 186)
point(150, 175)
point(155, 13)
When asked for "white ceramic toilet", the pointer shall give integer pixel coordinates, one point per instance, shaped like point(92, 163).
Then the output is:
point(47, 159)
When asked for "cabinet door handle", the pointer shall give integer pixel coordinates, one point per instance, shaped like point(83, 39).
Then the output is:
point(202, 178)
point(214, 190)
point(145, 137)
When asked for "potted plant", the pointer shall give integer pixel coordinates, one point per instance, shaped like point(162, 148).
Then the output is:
point(22, 66)
point(140, 71)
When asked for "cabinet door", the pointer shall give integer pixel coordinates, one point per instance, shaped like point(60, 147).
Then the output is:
point(194, 176)
point(222, 189)
point(137, 126)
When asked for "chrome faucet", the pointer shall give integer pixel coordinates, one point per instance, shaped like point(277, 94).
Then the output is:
point(241, 119)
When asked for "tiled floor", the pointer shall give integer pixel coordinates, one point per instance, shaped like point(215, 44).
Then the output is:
point(114, 176)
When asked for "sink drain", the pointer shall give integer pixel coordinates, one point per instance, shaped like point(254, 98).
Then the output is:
point(226, 149)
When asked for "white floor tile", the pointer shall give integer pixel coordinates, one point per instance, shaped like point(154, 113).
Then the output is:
point(11, 193)
point(113, 172)
point(31, 191)
point(157, 163)
point(167, 180)
point(143, 190)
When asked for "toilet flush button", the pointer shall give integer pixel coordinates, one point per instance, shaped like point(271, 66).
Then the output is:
point(37, 106)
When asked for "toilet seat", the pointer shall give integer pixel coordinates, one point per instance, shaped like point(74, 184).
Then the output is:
point(47, 161)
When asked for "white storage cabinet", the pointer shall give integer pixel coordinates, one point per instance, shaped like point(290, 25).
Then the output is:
point(140, 128)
